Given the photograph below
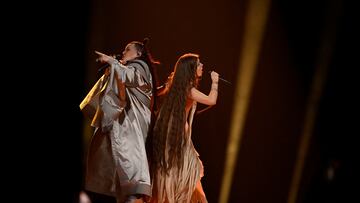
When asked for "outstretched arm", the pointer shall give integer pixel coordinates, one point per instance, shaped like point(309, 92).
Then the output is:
point(104, 58)
point(126, 74)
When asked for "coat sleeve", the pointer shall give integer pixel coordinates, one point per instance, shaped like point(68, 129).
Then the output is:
point(132, 75)
point(90, 103)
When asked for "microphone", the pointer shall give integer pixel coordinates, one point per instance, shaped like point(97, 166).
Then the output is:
point(222, 79)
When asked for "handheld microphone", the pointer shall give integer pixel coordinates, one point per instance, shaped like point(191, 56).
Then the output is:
point(222, 79)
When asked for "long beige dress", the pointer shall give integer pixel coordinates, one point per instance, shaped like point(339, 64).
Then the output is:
point(181, 185)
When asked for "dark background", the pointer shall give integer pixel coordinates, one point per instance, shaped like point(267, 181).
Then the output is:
point(57, 67)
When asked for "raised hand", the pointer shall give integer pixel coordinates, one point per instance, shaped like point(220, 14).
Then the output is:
point(103, 58)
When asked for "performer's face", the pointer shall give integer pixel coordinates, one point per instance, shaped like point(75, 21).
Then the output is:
point(199, 69)
point(130, 53)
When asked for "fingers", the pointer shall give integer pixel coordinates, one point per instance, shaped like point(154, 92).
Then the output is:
point(99, 53)
point(215, 74)
point(102, 57)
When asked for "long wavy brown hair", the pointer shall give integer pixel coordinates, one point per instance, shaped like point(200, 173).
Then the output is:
point(169, 130)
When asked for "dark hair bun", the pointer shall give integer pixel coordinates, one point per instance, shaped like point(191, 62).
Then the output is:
point(145, 40)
